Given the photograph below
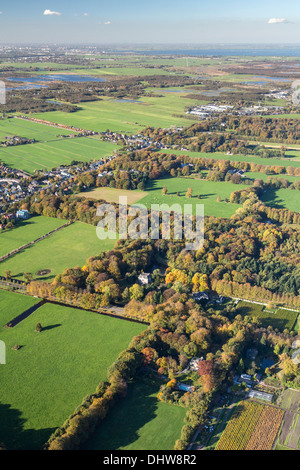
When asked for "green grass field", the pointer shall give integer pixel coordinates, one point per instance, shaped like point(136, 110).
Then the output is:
point(209, 191)
point(44, 381)
point(12, 305)
point(240, 158)
point(69, 247)
point(30, 130)
point(285, 116)
point(264, 177)
point(47, 155)
point(282, 199)
point(26, 232)
point(279, 318)
point(124, 116)
point(139, 422)
point(135, 71)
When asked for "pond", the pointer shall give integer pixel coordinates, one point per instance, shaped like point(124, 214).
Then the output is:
point(267, 362)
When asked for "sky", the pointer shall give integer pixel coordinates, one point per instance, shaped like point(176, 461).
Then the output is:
point(150, 22)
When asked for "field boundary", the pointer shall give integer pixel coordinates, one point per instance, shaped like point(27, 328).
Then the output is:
point(23, 247)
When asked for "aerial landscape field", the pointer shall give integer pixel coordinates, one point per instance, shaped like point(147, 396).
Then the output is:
point(118, 332)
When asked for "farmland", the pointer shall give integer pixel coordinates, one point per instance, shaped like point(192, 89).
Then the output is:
point(252, 427)
point(12, 305)
point(282, 198)
point(286, 162)
point(53, 370)
point(50, 154)
point(112, 195)
point(289, 433)
point(31, 130)
point(69, 247)
point(136, 424)
point(208, 190)
point(122, 116)
point(276, 317)
point(26, 232)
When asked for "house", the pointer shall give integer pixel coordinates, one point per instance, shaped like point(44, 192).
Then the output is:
point(194, 362)
point(23, 214)
point(296, 344)
point(200, 296)
point(296, 356)
point(145, 279)
point(245, 377)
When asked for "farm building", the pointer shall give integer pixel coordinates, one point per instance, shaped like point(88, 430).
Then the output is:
point(260, 395)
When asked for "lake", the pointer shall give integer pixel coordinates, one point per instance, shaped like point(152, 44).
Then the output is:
point(36, 79)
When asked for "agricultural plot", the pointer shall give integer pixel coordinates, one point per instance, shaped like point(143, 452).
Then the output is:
point(239, 158)
point(31, 130)
point(290, 429)
point(252, 427)
point(26, 232)
point(285, 116)
point(47, 378)
point(141, 422)
point(47, 155)
point(262, 176)
point(280, 318)
point(135, 71)
point(208, 190)
point(112, 195)
point(123, 116)
point(282, 199)
point(12, 305)
point(69, 247)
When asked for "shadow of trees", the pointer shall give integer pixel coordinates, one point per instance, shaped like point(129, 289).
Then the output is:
point(121, 427)
point(13, 435)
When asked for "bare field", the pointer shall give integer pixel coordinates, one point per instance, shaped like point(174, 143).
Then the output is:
point(112, 195)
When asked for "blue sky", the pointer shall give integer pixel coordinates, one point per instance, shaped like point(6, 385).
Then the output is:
point(155, 21)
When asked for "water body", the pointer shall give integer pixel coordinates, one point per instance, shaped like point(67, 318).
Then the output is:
point(246, 50)
point(59, 77)
point(126, 100)
point(28, 87)
point(266, 80)
point(276, 79)
point(55, 102)
point(267, 362)
point(165, 90)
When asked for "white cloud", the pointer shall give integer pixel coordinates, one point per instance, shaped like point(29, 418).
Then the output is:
point(277, 20)
point(1, 12)
point(85, 14)
point(49, 12)
point(107, 22)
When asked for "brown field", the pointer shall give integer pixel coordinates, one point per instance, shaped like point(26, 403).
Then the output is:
point(289, 435)
point(112, 195)
point(253, 426)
